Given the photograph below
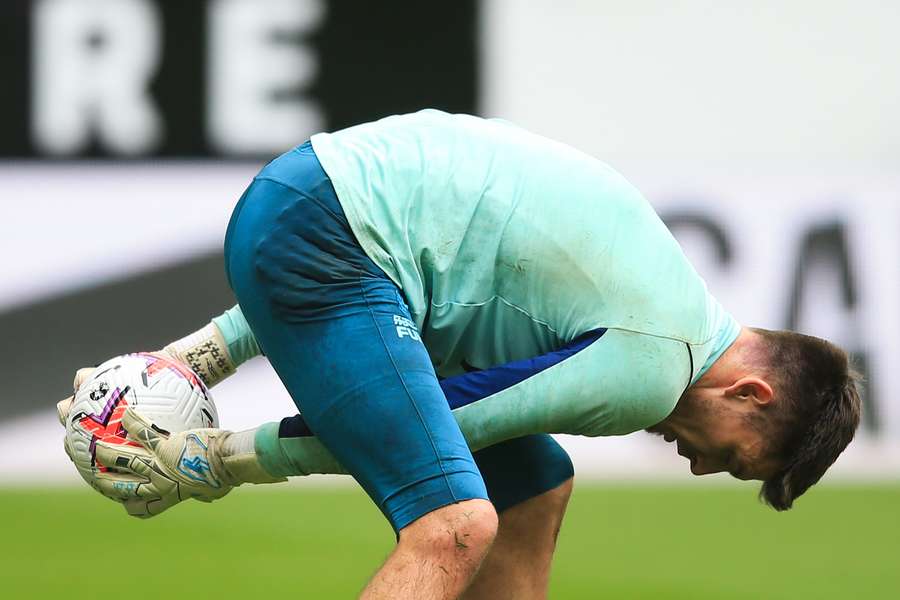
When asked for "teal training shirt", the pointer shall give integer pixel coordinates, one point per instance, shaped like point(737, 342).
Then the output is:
point(509, 245)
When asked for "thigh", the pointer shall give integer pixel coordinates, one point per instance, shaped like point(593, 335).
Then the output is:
point(520, 469)
point(341, 339)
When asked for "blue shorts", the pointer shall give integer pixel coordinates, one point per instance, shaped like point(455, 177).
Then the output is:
point(339, 334)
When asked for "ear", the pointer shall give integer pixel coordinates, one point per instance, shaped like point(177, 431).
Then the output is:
point(753, 389)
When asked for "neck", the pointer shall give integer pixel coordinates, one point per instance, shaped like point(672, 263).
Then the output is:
point(732, 364)
point(722, 373)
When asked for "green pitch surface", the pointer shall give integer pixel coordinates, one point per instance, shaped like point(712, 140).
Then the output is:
point(691, 542)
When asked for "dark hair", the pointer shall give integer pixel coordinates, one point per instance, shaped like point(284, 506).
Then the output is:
point(816, 413)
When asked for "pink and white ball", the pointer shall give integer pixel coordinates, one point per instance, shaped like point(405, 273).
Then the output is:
point(164, 391)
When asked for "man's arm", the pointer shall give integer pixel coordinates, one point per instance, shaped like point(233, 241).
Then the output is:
point(620, 383)
point(144, 480)
point(215, 352)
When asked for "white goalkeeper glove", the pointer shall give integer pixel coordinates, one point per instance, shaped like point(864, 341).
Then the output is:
point(64, 407)
point(168, 468)
point(205, 352)
point(164, 469)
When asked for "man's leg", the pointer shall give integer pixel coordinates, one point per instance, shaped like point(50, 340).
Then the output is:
point(330, 323)
point(518, 564)
point(438, 554)
point(529, 480)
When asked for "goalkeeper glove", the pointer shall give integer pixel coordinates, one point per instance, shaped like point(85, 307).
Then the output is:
point(205, 352)
point(165, 469)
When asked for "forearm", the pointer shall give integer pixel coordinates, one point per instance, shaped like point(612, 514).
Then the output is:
point(489, 421)
point(483, 424)
point(215, 351)
point(285, 456)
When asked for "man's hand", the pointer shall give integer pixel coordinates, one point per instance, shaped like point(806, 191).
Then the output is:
point(157, 470)
point(163, 469)
point(63, 407)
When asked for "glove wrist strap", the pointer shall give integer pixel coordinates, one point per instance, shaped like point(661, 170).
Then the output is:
point(234, 457)
point(206, 353)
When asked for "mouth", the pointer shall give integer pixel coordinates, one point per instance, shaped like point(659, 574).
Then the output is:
point(683, 449)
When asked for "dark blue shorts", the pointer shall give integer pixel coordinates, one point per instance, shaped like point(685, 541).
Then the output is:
point(331, 323)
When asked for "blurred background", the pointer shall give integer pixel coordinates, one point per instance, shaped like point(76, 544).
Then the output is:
point(765, 133)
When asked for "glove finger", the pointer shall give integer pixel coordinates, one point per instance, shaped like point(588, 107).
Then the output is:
point(137, 508)
point(82, 375)
point(125, 457)
point(120, 487)
point(142, 430)
point(63, 408)
point(144, 509)
point(164, 503)
point(139, 461)
point(165, 484)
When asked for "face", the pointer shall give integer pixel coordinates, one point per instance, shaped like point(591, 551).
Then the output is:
point(719, 438)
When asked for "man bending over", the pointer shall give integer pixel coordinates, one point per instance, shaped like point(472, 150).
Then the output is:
point(431, 285)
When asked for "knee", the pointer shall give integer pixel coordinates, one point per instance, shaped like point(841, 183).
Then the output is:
point(460, 533)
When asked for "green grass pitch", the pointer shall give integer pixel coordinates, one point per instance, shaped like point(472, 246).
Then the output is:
point(639, 541)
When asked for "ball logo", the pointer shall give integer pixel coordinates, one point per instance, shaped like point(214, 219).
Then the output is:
point(99, 392)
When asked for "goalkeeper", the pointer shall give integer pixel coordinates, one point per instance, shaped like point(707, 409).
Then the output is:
point(430, 285)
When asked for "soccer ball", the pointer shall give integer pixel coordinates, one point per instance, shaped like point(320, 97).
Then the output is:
point(164, 391)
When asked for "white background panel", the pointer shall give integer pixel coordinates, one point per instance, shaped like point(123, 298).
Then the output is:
point(76, 225)
point(770, 118)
